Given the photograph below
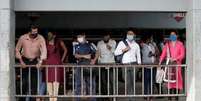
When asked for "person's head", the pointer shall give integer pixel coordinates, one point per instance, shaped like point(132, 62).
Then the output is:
point(148, 39)
point(130, 35)
point(145, 38)
point(81, 38)
point(51, 36)
point(106, 37)
point(151, 39)
point(173, 36)
point(33, 31)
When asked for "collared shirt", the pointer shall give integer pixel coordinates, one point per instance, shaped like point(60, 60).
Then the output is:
point(132, 55)
point(31, 48)
point(106, 55)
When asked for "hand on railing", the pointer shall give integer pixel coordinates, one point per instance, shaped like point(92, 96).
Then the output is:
point(93, 61)
point(172, 60)
point(39, 64)
point(159, 64)
point(23, 65)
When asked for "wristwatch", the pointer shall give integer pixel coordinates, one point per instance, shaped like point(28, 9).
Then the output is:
point(40, 61)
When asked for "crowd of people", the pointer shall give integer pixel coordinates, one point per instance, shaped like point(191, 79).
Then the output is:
point(33, 49)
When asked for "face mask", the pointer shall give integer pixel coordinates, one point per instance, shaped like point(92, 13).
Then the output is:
point(106, 41)
point(33, 35)
point(173, 37)
point(130, 37)
point(80, 40)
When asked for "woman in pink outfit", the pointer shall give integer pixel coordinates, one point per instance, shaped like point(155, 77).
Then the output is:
point(177, 54)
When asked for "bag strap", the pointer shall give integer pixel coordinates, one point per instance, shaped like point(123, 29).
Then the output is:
point(125, 43)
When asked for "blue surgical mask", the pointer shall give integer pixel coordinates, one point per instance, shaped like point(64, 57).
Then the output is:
point(173, 37)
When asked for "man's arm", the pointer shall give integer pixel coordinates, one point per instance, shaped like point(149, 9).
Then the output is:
point(43, 50)
point(78, 56)
point(97, 55)
point(113, 46)
point(138, 54)
point(118, 50)
point(18, 49)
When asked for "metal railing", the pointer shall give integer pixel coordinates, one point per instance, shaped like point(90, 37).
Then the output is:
point(133, 84)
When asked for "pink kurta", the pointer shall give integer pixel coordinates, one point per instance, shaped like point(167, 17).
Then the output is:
point(177, 52)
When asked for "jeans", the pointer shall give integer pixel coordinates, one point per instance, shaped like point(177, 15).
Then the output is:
point(42, 86)
point(86, 82)
point(29, 73)
point(147, 80)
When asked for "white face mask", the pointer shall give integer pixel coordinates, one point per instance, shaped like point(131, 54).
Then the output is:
point(80, 40)
point(130, 37)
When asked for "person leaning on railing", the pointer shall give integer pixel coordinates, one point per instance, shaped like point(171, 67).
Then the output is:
point(30, 50)
point(176, 51)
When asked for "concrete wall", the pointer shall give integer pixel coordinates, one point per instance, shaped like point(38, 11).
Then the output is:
point(7, 35)
point(101, 5)
point(102, 20)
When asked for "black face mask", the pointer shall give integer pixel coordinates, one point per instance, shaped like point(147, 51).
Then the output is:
point(33, 35)
point(106, 41)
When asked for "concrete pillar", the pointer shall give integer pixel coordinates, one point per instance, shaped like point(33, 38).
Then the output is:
point(7, 28)
point(194, 50)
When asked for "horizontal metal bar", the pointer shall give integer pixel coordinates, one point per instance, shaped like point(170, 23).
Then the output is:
point(102, 66)
point(103, 96)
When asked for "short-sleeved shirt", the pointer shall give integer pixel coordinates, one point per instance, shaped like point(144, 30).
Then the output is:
point(84, 49)
point(106, 55)
point(146, 49)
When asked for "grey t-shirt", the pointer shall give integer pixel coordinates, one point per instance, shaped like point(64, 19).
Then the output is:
point(146, 50)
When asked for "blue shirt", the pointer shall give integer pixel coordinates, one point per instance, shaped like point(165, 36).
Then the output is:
point(84, 49)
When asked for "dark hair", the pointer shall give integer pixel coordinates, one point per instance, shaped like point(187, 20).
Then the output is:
point(131, 29)
point(145, 37)
point(81, 33)
point(33, 27)
point(176, 32)
point(106, 34)
point(56, 42)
